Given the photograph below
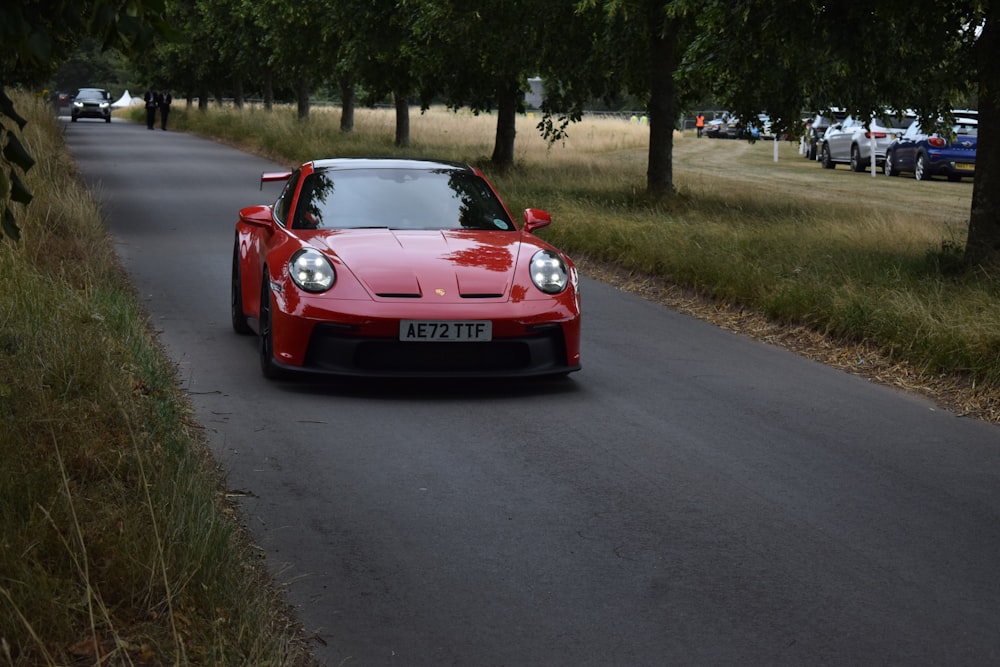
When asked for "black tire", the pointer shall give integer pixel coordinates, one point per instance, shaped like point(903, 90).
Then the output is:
point(857, 164)
point(889, 166)
point(954, 178)
point(826, 159)
point(265, 346)
point(72, 119)
point(108, 119)
point(921, 171)
point(240, 325)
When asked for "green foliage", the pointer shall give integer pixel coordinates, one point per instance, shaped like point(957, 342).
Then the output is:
point(865, 57)
point(89, 65)
point(13, 158)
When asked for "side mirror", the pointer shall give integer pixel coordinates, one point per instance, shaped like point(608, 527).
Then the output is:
point(535, 219)
point(257, 216)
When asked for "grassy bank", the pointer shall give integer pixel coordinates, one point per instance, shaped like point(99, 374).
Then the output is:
point(117, 544)
point(859, 259)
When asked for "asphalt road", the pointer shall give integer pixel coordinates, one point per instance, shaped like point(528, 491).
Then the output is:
point(689, 497)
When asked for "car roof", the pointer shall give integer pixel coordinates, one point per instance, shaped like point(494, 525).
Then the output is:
point(344, 163)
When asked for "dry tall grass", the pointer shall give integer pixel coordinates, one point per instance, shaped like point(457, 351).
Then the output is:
point(117, 547)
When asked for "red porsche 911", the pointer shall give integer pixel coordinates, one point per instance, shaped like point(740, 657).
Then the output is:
point(401, 268)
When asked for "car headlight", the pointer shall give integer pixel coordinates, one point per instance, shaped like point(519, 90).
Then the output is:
point(105, 105)
point(548, 272)
point(78, 104)
point(311, 270)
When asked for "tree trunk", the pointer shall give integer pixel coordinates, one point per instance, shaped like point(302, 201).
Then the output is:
point(509, 97)
point(402, 120)
point(346, 105)
point(983, 243)
point(268, 89)
point(238, 95)
point(203, 100)
point(662, 105)
point(303, 98)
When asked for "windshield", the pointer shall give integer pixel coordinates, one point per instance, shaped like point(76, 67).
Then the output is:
point(399, 199)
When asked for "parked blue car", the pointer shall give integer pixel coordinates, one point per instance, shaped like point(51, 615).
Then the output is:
point(927, 155)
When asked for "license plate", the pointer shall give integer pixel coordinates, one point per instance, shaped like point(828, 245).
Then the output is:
point(965, 166)
point(447, 331)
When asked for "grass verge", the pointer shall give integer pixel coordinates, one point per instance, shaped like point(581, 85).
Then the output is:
point(117, 546)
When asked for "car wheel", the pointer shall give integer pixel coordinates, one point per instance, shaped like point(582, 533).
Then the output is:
point(889, 166)
point(72, 119)
point(240, 325)
point(108, 119)
point(921, 171)
point(954, 178)
point(857, 164)
point(828, 162)
point(265, 336)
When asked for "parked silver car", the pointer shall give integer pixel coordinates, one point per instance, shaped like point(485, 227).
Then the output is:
point(853, 140)
point(816, 127)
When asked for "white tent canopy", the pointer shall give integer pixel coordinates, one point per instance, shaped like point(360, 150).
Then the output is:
point(126, 100)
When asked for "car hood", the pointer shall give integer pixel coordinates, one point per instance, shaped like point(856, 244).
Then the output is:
point(451, 265)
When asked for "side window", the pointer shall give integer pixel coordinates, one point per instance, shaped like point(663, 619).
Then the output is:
point(284, 203)
point(315, 205)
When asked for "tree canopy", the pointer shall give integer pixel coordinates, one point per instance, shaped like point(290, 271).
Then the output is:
point(35, 36)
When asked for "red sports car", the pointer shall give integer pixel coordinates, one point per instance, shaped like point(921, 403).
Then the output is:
point(401, 268)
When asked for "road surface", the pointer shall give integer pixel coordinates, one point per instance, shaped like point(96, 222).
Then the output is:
point(689, 497)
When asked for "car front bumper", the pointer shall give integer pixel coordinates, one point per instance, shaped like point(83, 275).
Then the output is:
point(530, 338)
point(91, 112)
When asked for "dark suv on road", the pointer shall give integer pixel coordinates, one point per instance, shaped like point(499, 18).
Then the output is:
point(91, 103)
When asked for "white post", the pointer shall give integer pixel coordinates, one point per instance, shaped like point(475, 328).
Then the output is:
point(871, 143)
point(775, 146)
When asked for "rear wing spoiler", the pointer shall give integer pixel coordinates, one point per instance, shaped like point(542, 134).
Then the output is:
point(271, 176)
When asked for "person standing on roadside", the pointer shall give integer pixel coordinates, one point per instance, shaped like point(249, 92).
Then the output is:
point(152, 99)
point(699, 123)
point(165, 100)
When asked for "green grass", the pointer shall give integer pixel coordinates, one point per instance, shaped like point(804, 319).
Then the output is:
point(116, 539)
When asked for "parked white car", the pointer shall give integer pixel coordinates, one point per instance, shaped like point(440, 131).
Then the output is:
point(851, 140)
